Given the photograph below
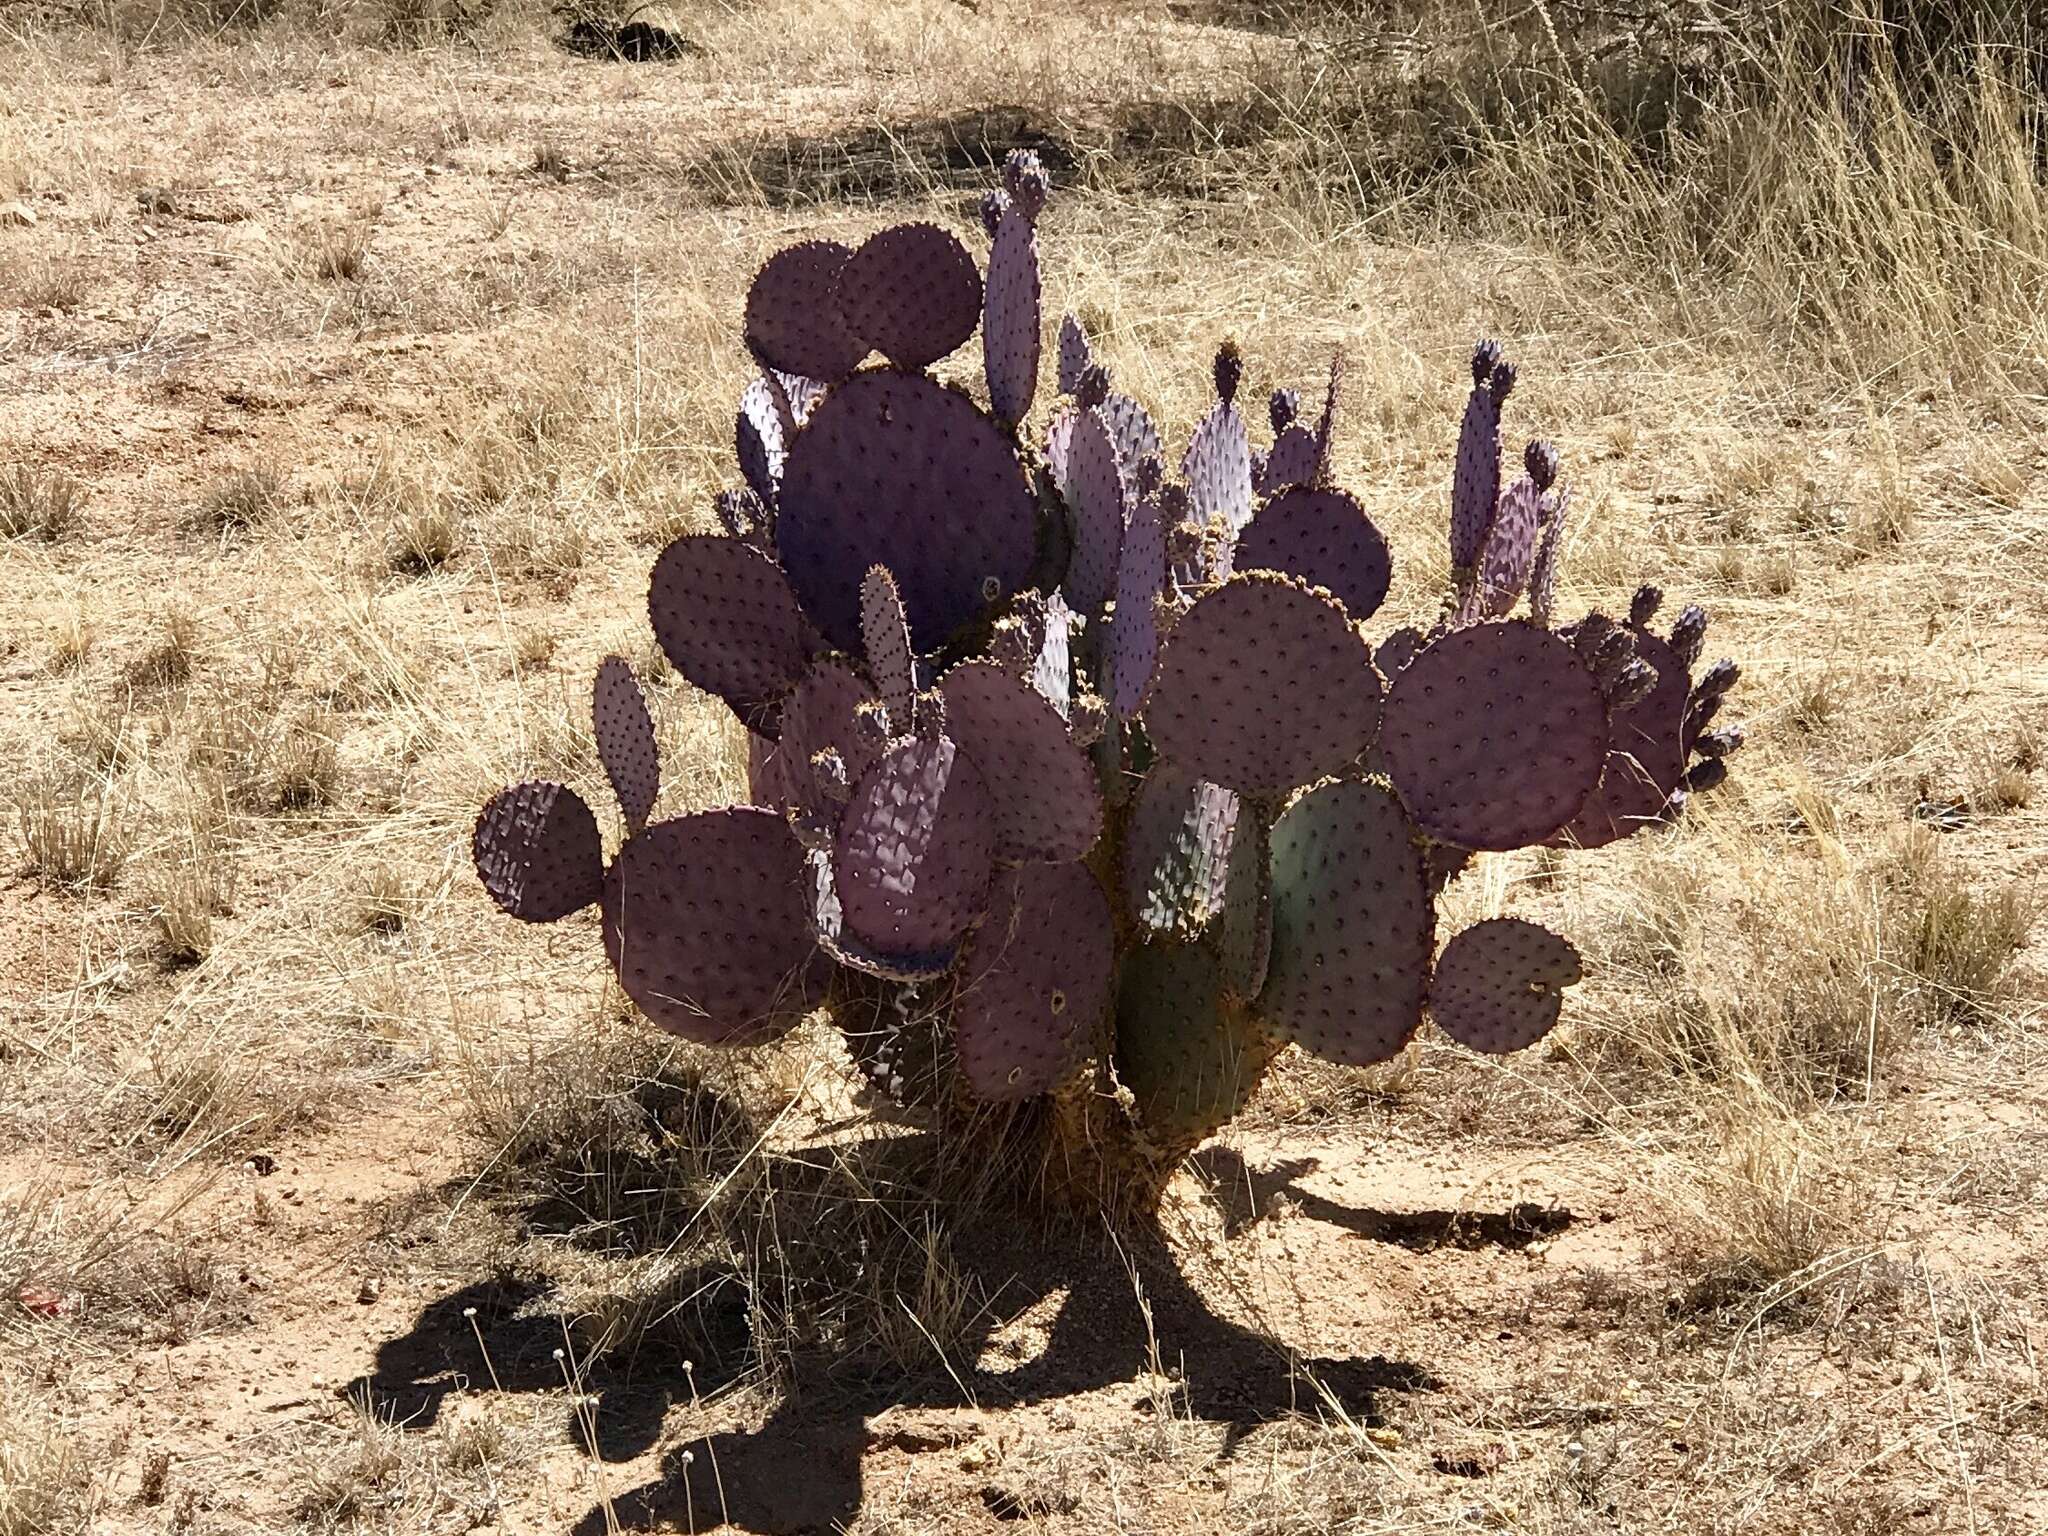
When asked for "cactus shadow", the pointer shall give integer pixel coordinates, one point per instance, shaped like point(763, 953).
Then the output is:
point(1249, 1195)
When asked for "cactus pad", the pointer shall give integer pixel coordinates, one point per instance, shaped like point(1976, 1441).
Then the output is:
point(1075, 355)
point(1010, 315)
point(758, 439)
point(912, 293)
point(1295, 460)
point(1044, 800)
point(1245, 938)
point(1100, 503)
point(886, 638)
point(895, 470)
point(1131, 429)
point(1218, 468)
point(1189, 1057)
point(1499, 985)
point(1133, 649)
point(1645, 756)
point(625, 740)
point(1352, 925)
point(1495, 735)
point(820, 716)
point(1264, 685)
point(705, 921)
point(1325, 538)
point(915, 852)
point(794, 322)
point(1510, 551)
point(1035, 979)
point(538, 852)
point(1475, 482)
point(728, 620)
point(1177, 851)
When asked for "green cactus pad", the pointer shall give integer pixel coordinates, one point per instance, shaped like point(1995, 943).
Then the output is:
point(1188, 1056)
point(1046, 804)
point(1264, 684)
point(624, 732)
point(538, 852)
point(726, 618)
point(1244, 939)
point(706, 921)
point(1499, 985)
point(1035, 978)
point(1352, 925)
point(1495, 735)
point(1177, 851)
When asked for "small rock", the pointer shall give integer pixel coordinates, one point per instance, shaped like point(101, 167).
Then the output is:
point(17, 216)
point(372, 1289)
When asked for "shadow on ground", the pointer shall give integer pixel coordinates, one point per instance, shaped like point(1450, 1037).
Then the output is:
point(801, 1470)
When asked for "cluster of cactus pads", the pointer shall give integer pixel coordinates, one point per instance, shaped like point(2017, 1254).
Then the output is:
point(1074, 777)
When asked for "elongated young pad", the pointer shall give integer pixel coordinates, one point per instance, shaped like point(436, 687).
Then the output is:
point(1499, 985)
point(1218, 467)
point(1325, 538)
point(1035, 978)
point(1264, 685)
point(1495, 735)
point(1510, 552)
point(1133, 649)
point(538, 852)
point(758, 439)
point(726, 618)
point(1295, 460)
point(915, 852)
point(1076, 357)
point(895, 470)
point(1044, 800)
point(912, 293)
point(1475, 481)
point(624, 731)
point(887, 639)
point(1131, 430)
point(1352, 925)
point(794, 322)
point(1099, 501)
point(1010, 315)
point(706, 921)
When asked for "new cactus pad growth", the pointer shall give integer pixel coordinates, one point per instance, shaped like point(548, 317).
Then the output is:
point(1104, 775)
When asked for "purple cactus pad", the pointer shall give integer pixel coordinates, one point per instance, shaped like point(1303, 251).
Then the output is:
point(1059, 443)
point(1295, 459)
point(758, 439)
point(886, 638)
point(1495, 735)
point(915, 851)
point(1499, 985)
point(728, 620)
point(1510, 548)
point(1100, 503)
point(1245, 936)
point(1133, 649)
point(1010, 317)
point(1475, 482)
point(1218, 468)
point(794, 322)
point(1075, 356)
point(1035, 979)
point(912, 293)
point(625, 740)
point(820, 715)
point(896, 470)
point(1325, 538)
point(1264, 685)
point(1645, 756)
point(1045, 802)
point(1352, 925)
point(707, 922)
point(538, 852)
point(1131, 429)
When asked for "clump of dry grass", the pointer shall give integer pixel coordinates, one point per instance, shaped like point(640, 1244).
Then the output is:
point(50, 1473)
point(169, 659)
point(76, 831)
point(254, 753)
point(247, 498)
point(39, 503)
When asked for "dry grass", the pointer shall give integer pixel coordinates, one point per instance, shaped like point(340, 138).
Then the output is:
point(378, 460)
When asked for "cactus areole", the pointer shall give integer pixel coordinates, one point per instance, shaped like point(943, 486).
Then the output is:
point(1100, 780)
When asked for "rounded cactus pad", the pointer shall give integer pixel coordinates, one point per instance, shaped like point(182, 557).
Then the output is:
point(1100, 502)
point(886, 638)
point(794, 322)
point(1010, 315)
point(1264, 684)
point(821, 716)
point(1131, 429)
point(625, 740)
point(915, 852)
point(1189, 1057)
point(728, 620)
point(1352, 924)
point(1645, 756)
point(1133, 650)
point(538, 851)
point(1044, 799)
point(1325, 538)
point(1177, 851)
point(1495, 735)
point(912, 293)
point(1296, 459)
point(1034, 979)
point(1218, 467)
point(895, 470)
point(707, 922)
point(1499, 985)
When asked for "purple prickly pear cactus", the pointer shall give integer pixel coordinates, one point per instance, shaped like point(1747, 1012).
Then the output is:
point(1010, 316)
